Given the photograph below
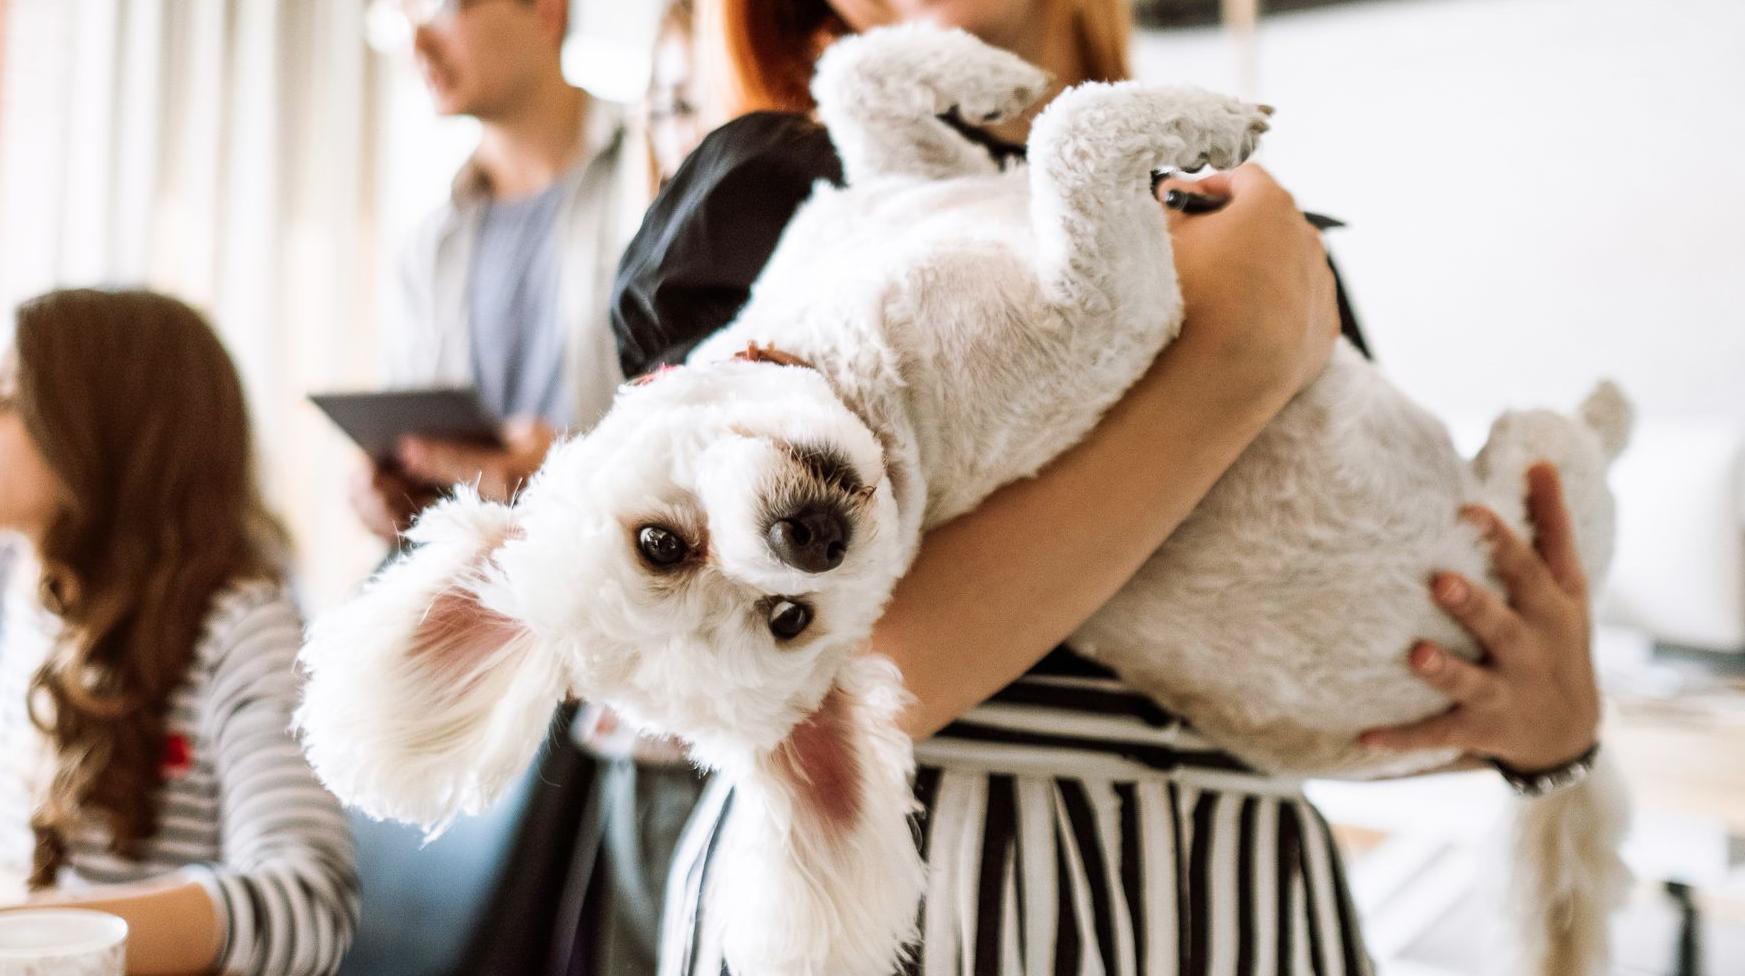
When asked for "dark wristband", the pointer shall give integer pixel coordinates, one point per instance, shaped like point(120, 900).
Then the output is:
point(1546, 781)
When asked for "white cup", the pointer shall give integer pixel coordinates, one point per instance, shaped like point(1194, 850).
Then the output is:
point(61, 942)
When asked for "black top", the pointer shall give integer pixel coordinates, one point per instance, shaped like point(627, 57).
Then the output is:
point(689, 269)
point(709, 233)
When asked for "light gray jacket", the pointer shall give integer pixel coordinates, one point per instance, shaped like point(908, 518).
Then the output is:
point(429, 342)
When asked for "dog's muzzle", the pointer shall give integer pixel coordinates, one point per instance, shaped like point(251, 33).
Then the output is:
point(813, 539)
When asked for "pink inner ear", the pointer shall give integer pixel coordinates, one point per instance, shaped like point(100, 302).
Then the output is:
point(458, 633)
point(820, 758)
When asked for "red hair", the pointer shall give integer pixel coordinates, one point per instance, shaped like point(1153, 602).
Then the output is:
point(769, 47)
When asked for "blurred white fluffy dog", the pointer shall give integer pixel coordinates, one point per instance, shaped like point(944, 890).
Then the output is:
point(711, 558)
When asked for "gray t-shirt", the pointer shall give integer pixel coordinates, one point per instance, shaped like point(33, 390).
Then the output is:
point(512, 296)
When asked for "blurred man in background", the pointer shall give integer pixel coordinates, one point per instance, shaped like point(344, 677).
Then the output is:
point(504, 288)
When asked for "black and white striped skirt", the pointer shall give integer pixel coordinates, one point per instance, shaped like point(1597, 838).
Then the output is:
point(1071, 826)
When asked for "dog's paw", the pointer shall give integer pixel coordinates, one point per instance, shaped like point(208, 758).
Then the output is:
point(943, 69)
point(1225, 131)
point(1000, 87)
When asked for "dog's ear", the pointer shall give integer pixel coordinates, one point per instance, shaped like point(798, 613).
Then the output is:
point(426, 696)
point(818, 867)
point(822, 765)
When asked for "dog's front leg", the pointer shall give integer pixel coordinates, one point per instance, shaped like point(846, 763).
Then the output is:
point(1103, 250)
point(817, 873)
point(882, 94)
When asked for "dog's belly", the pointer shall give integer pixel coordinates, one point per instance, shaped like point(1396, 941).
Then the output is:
point(848, 244)
point(931, 289)
point(1278, 617)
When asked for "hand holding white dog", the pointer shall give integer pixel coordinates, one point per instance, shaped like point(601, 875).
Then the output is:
point(1534, 704)
point(1258, 294)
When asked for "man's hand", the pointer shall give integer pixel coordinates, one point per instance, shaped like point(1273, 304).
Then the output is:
point(387, 501)
point(498, 473)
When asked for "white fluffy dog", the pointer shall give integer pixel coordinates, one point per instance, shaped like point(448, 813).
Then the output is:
point(711, 558)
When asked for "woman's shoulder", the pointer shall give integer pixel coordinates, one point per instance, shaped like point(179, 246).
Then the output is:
point(755, 169)
point(251, 617)
point(246, 657)
point(709, 232)
point(781, 144)
point(251, 596)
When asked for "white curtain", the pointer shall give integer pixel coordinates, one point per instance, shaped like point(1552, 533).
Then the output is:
point(229, 152)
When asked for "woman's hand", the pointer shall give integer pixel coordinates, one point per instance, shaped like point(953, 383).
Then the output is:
point(1533, 703)
point(1259, 293)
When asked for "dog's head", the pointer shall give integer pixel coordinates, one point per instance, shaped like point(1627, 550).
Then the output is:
point(705, 557)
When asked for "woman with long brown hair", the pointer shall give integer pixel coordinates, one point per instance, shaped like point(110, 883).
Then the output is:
point(1069, 824)
point(147, 649)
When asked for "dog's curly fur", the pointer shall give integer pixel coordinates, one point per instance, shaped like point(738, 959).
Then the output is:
point(963, 324)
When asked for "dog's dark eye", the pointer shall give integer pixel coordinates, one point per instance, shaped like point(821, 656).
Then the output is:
point(661, 545)
point(788, 619)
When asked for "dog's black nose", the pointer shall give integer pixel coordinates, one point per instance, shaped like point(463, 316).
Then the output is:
point(813, 539)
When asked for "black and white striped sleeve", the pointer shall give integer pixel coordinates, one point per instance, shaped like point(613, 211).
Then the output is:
point(286, 883)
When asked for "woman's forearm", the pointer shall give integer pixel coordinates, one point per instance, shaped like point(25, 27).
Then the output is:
point(993, 591)
point(172, 926)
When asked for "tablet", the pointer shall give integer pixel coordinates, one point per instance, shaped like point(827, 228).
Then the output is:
point(377, 421)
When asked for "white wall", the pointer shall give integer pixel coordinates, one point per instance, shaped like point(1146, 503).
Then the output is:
point(1539, 191)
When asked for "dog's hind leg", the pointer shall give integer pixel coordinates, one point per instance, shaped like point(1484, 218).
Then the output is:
point(1102, 243)
point(1582, 447)
point(882, 95)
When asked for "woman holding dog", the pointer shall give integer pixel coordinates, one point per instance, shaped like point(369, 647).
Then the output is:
point(146, 652)
point(1170, 856)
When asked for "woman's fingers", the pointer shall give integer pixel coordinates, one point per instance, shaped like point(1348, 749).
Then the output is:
point(1217, 184)
point(1466, 683)
point(1532, 702)
point(1172, 216)
point(1446, 730)
point(1481, 612)
point(1214, 191)
point(1183, 198)
point(1553, 532)
point(1249, 179)
point(1524, 573)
